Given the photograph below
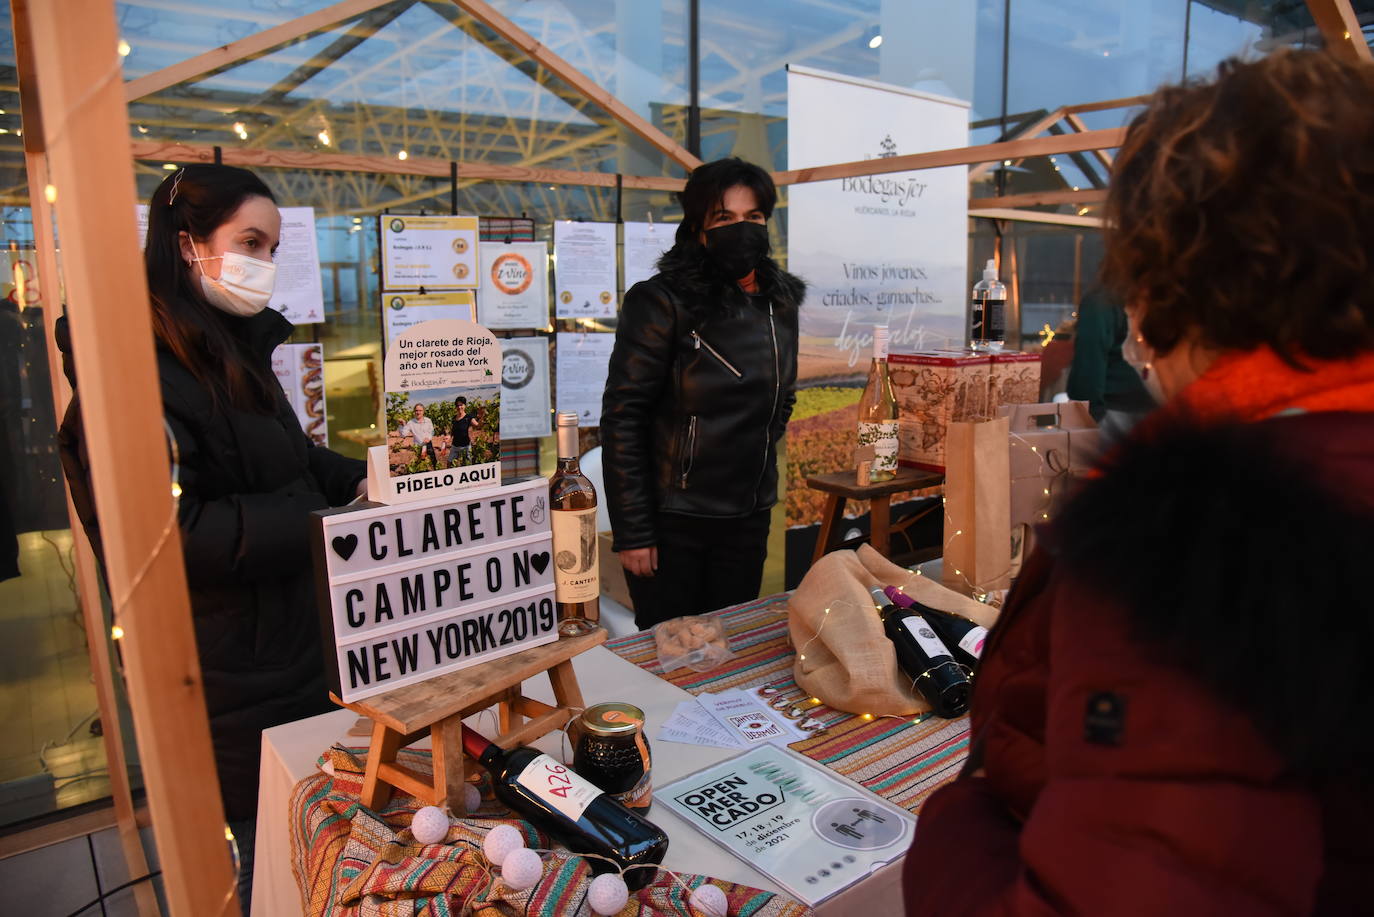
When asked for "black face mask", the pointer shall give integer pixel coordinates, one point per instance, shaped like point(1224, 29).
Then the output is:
point(737, 248)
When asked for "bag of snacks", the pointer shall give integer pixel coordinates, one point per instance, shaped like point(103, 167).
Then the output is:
point(695, 641)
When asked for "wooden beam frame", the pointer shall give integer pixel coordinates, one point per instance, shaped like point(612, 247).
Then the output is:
point(257, 43)
point(1341, 29)
point(414, 165)
point(488, 15)
point(968, 155)
point(76, 72)
point(1037, 216)
point(1039, 199)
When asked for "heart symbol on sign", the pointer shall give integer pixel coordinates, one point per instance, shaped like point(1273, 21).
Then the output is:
point(345, 545)
point(540, 561)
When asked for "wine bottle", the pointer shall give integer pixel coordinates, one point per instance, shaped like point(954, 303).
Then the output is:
point(570, 808)
point(965, 638)
point(577, 577)
point(878, 416)
point(923, 656)
point(988, 316)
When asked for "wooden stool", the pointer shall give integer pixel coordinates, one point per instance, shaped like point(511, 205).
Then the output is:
point(842, 485)
point(438, 706)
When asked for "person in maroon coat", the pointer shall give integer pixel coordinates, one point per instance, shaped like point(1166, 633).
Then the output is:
point(1172, 715)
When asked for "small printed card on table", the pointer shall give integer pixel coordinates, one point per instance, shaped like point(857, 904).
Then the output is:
point(800, 824)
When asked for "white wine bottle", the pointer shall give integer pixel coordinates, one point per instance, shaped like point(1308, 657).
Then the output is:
point(577, 578)
point(988, 315)
point(878, 416)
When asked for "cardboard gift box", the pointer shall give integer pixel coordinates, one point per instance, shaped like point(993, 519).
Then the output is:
point(1014, 379)
point(933, 390)
point(612, 573)
point(1048, 445)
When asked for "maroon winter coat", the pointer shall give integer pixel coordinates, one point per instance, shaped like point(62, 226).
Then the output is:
point(1173, 715)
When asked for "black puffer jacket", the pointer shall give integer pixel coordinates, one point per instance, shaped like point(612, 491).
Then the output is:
point(701, 384)
point(248, 485)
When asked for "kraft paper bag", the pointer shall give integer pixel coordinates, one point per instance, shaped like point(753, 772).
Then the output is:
point(1049, 445)
point(977, 507)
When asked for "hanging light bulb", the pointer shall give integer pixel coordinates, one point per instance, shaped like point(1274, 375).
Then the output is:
point(324, 137)
point(403, 155)
point(123, 48)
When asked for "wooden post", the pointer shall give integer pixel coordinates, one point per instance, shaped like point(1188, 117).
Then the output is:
point(86, 131)
point(83, 558)
point(1341, 29)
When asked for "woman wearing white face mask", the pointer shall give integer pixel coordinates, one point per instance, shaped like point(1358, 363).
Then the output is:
point(249, 476)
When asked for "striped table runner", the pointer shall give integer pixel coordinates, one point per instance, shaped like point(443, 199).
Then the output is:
point(898, 760)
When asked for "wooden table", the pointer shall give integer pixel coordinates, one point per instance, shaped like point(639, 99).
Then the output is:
point(289, 753)
point(842, 485)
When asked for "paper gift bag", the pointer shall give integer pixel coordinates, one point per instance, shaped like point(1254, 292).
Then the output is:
point(977, 507)
point(1048, 446)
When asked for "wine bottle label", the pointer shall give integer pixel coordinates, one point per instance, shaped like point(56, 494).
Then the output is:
point(882, 436)
point(557, 786)
point(972, 642)
point(925, 637)
point(575, 572)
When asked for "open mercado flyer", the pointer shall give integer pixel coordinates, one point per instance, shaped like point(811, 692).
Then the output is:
point(430, 253)
point(808, 829)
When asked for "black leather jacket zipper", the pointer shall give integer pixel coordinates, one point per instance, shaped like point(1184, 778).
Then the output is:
point(700, 343)
point(689, 450)
point(777, 389)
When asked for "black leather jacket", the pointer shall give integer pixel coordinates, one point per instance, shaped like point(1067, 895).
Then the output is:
point(700, 388)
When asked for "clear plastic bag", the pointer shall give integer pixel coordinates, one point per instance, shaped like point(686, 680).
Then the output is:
point(697, 642)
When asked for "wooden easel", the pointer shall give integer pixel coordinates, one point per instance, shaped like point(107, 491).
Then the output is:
point(437, 708)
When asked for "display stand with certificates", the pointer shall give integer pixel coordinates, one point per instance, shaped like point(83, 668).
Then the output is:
point(806, 828)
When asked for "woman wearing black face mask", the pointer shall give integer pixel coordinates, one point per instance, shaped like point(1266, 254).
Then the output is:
point(699, 392)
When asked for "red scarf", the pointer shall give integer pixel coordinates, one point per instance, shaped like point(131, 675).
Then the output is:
point(1257, 384)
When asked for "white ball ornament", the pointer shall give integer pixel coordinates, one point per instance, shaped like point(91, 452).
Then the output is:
point(499, 843)
point(430, 825)
point(709, 901)
point(608, 894)
point(521, 868)
point(472, 798)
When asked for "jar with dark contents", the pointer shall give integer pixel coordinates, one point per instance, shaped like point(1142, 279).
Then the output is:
point(613, 753)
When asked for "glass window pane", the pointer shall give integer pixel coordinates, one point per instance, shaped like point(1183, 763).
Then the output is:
point(1068, 51)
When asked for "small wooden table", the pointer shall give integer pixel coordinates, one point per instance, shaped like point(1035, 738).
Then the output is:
point(437, 707)
point(842, 485)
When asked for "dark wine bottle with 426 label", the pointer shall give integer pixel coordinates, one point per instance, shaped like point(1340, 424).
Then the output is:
point(567, 806)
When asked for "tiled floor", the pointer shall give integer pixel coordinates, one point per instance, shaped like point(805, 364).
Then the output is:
point(55, 881)
point(49, 758)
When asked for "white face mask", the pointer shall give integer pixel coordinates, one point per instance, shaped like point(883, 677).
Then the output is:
point(1136, 352)
point(244, 286)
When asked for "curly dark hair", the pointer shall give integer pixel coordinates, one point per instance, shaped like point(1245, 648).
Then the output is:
point(1241, 210)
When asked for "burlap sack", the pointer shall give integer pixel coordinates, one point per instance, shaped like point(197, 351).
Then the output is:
point(843, 657)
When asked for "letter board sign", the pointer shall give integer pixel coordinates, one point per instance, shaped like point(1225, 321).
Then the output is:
point(413, 591)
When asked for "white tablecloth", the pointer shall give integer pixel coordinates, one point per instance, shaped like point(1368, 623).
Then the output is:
point(289, 753)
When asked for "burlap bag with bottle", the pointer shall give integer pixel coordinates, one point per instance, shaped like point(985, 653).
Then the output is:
point(843, 656)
